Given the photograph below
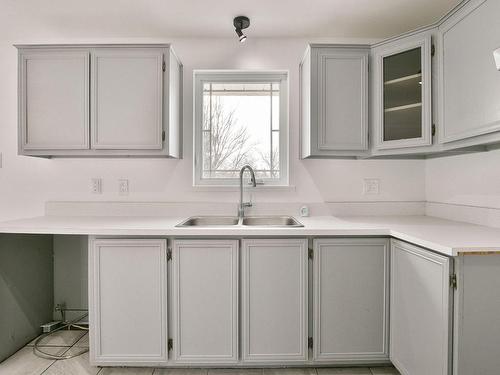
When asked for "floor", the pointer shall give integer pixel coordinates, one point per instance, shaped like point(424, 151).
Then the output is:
point(24, 362)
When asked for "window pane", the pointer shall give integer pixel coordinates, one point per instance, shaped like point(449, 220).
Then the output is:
point(239, 122)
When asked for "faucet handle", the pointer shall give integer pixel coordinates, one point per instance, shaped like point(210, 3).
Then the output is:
point(247, 204)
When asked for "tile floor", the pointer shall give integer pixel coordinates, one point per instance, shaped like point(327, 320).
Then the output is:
point(24, 362)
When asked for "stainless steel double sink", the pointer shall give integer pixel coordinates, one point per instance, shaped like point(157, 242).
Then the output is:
point(254, 221)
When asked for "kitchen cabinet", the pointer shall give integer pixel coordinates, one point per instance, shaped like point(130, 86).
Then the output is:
point(469, 86)
point(128, 301)
point(421, 310)
point(476, 314)
point(274, 300)
point(99, 100)
point(351, 300)
point(54, 99)
point(402, 100)
point(205, 301)
point(127, 98)
point(334, 101)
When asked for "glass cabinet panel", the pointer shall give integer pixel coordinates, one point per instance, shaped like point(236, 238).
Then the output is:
point(402, 95)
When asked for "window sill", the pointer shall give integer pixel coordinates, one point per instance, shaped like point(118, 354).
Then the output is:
point(224, 188)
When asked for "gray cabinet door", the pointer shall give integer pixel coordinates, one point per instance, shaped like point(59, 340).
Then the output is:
point(350, 300)
point(127, 98)
point(402, 93)
point(205, 301)
point(128, 301)
point(274, 300)
point(420, 308)
point(53, 99)
point(334, 101)
point(470, 82)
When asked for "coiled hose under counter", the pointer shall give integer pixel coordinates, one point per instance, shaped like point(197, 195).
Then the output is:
point(40, 353)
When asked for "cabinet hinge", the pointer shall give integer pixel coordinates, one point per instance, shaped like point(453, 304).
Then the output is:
point(310, 342)
point(163, 136)
point(453, 281)
point(310, 253)
point(433, 50)
point(170, 344)
point(163, 66)
point(433, 130)
point(169, 254)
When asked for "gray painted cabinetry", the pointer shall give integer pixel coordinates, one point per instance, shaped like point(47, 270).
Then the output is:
point(93, 100)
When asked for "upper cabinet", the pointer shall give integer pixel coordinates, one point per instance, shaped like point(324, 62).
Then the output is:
point(402, 93)
point(469, 87)
point(334, 101)
point(432, 91)
point(54, 99)
point(114, 100)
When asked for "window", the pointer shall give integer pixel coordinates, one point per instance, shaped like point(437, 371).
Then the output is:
point(240, 118)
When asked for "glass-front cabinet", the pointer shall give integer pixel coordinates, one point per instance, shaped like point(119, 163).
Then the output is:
point(403, 114)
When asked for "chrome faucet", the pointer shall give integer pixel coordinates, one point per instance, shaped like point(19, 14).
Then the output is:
point(241, 208)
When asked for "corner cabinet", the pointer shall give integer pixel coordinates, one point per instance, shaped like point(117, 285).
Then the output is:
point(205, 301)
point(274, 301)
point(470, 84)
point(402, 93)
point(351, 300)
point(99, 100)
point(128, 301)
point(334, 101)
point(421, 310)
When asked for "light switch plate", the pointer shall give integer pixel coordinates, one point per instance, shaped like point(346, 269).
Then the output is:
point(96, 185)
point(371, 186)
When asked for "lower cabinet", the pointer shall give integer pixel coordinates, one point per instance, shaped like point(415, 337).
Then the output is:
point(420, 310)
point(205, 301)
point(350, 300)
point(128, 301)
point(274, 300)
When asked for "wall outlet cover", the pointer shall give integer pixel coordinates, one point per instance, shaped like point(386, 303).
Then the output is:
point(371, 186)
point(123, 187)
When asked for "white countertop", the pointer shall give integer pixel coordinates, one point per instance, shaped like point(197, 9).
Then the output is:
point(443, 236)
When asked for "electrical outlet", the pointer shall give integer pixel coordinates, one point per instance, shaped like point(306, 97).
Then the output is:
point(123, 187)
point(96, 185)
point(371, 186)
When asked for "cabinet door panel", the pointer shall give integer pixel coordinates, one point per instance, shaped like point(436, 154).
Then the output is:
point(420, 310)
point(351, 284)
point(403, 93)
point(470, 83)
point(274, 302)
point(127, 93)
point(342, 99)
point(54, 99)
point(128, 301)
point(206, 301)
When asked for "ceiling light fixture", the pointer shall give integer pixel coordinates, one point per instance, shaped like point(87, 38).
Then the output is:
point(240, 23)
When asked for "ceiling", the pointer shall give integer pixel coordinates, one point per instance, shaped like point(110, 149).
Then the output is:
point(213, 18)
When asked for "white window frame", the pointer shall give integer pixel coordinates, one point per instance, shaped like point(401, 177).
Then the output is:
point(239, 76)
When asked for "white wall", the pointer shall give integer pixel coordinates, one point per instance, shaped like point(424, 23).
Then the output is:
point(465, 187)
point(26, 182)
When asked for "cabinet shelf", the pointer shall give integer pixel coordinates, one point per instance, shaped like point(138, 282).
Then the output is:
point(403, 107)
point(403, 79)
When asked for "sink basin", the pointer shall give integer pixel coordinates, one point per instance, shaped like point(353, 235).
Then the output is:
point(271, 221)
point(207, 221)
